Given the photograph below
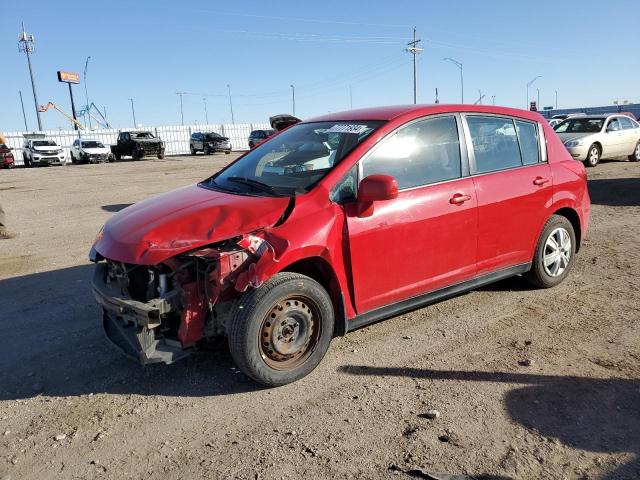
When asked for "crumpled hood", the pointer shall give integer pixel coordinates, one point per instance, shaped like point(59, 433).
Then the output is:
point(161, 227)
point(566, 137)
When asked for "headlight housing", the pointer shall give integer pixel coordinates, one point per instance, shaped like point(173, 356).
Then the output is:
point(573, 143)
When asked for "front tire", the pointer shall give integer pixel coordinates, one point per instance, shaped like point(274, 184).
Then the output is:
point(635, 156)
point(280, 332)
point(161, 155)
point(555, 253)
point(593, 156)
point(193, 150)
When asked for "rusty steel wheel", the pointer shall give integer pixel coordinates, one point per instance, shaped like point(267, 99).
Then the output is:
point(289, 333)
point(279, 332)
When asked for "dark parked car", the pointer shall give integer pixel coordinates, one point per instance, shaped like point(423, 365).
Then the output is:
point(209, 142)
point(138, 145)
point(256, 137)
point(6, 157)
point(335, 223)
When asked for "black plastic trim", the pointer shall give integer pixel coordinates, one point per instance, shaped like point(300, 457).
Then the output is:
point(413, 303)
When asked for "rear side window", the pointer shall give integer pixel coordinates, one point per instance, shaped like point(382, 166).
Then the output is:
point(529, 144)
point(424, 152)
point(626, 123)
point(495, 143)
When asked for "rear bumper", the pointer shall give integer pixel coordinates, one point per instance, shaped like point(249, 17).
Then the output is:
point(132, 326)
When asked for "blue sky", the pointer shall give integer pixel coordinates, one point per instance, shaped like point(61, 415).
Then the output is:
point(147, 50)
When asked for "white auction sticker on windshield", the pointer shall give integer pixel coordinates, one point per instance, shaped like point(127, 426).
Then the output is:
point(347, 128)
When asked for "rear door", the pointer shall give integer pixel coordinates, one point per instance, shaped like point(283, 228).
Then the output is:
point(425, 238)
point(513, 185)
point(630, 135)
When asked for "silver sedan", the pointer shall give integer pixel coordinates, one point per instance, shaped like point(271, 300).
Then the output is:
point(596, 137)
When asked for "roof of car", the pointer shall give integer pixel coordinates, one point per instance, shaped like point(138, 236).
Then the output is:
point(394, 111)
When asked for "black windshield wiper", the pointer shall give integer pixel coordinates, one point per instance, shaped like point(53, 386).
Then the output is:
point(254, 183)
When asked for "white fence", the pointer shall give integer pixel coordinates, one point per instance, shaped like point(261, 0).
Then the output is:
point(176, 138)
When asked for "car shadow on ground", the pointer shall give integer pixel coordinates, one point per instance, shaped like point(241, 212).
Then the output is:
point(592, 414)
point(53, 345)
point(116, 207)
point(616, 192)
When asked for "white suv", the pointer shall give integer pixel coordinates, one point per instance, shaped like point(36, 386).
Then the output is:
point(40, 151)
point(89, 151)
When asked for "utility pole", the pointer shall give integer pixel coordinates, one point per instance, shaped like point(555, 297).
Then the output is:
point(437, 100)
point(86, 95)
point(25, 44)
point(230, 104)
point(73, 107)
point(24, 115)
point(556, 99)
point(293, 98)
point(206, 115)
point(350, 98)
point(459, 65)
point(528, 85)
point(479, 101)
point(414, 50)
point(181, 111)
point(133, 112)
point(538, 99)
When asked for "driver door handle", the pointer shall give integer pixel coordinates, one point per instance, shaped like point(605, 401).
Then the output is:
point(459, 199)
point(540, 181)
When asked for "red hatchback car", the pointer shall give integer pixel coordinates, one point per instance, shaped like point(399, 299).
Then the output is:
point(335, 223)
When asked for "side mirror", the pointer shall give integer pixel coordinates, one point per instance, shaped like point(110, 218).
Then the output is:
point(375, 188)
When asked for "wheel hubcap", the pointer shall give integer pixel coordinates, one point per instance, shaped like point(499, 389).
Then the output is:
point(557, 252)
point(289, 333)
point(638, 152)
point(594, 155)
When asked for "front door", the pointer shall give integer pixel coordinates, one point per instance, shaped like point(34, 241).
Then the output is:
point(424, 239)
point(514, 188)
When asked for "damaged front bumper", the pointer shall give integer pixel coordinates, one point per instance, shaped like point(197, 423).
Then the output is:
point(132, 326)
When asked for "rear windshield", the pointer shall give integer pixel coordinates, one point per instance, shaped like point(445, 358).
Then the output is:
point(44, 143)
point(580, 125)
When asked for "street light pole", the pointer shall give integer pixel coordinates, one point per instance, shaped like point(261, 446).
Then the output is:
point(350, 98)
point(25, 44)
point(206, 115)
point(556, 99)
point(459, 65)
point(230, 104)
point(86, 94)
point(493, 99)
point(181, 110)
point(133, 112)
point(528, 85)
point(538, 99)
point(293, 99)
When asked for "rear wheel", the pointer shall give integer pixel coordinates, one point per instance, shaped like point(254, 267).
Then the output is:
point(280, 331)
point(593, 157)
point(554, 255)
point(207, 151)
point(118, 157)
point(161, 155)
point(635, 156)
point(27, 162)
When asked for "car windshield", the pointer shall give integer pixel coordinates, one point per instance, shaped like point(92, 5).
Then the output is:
point(580, 125)
point(92, 144)
point(44, 143)
point(214, 136)
point(141, 135)
point(294, 161)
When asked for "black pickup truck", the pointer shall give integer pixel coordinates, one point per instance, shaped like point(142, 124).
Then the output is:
point(138, 145)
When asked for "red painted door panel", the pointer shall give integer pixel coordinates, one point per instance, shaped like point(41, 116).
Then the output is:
point(512, 205)
point(418, 242)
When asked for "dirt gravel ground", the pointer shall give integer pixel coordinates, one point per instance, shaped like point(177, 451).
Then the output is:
point(530, 384)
